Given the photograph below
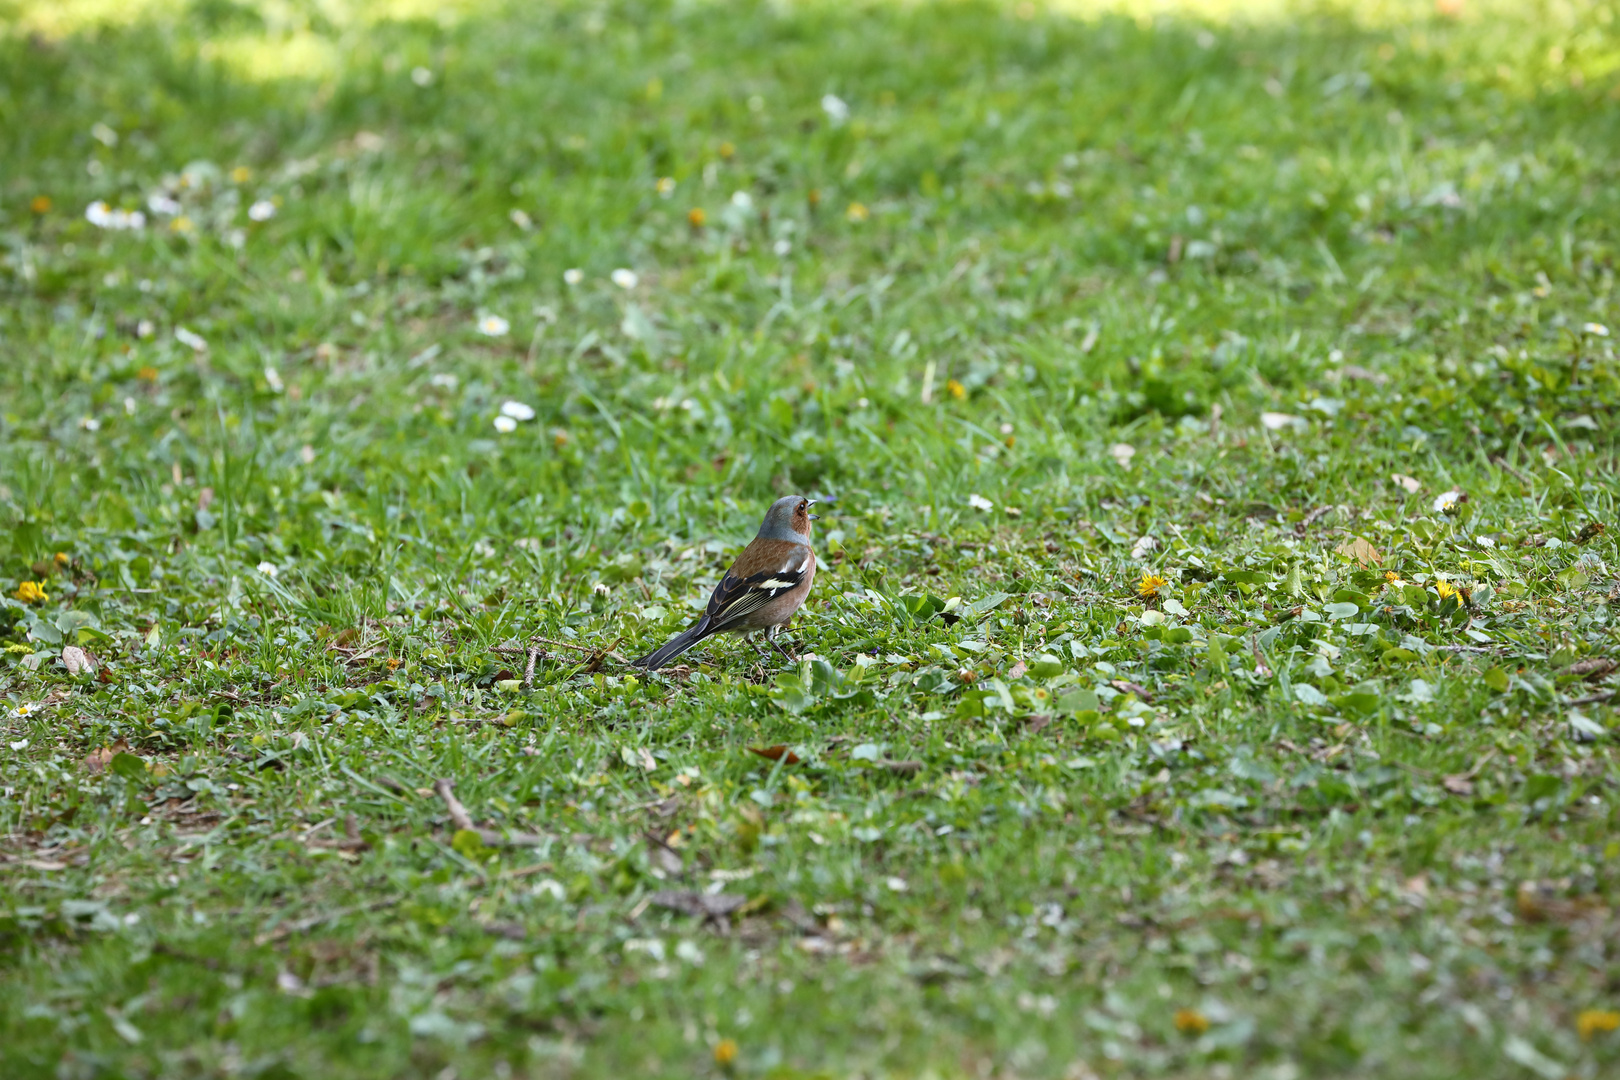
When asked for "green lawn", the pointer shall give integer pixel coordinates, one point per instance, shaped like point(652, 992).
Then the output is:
point(1303, 310)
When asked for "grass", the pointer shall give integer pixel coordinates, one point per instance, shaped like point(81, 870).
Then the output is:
point(1038, 302)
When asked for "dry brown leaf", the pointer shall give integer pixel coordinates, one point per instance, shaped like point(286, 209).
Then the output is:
point(1018, 670)
point(78, 661)
point(708, 905)
point(1361, 551)
point(1411, 484)
point(1458, 784)
point(779, 752)
point(1125, 686)
point(1593, 667)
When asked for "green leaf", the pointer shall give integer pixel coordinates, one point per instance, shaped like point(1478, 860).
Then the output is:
point(791, 694)
point(40, 630)
point(1496, 679)
point(983, 606)
point(1076, 701)
point(1358, 703)
point(1308, 695)
point(69, 621)
point(1342, 610)
point(1046, 666)
point(468, 844)
point(128, 766)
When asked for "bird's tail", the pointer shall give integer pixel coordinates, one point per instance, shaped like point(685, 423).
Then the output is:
point(675, 646)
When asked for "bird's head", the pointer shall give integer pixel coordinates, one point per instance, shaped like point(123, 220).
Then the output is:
point(788, 518)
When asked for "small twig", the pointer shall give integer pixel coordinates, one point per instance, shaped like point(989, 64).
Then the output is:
point(1469, 648)
point(564, 644)
point(1310, 519)
point(459, 817)
point(1592, 699)
point(535, 652)
point(388, 782)
point(462, 820)
point(1261, 668)
point(298, 926)
point(1501, 463)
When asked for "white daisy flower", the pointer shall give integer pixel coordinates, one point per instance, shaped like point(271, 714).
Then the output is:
point(422, 76)
point(517, 410)
point(273, 378)
point(979, 502)
point(624, 279)
point(1446, 500)
point(1596, 329)
point(190, 338)
point(493, 326)
point(443, 380)
point(505, 425)
point(24, 711)
point(160, 203)
point(836, 108)
point(742, 200)
point(573, 276)
point(783, 248)
point(268, 569)
point(263, 210)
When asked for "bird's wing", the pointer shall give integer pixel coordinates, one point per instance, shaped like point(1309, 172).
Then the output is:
point(736, 597)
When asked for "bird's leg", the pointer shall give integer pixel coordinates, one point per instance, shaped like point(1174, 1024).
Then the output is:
point(770, 636)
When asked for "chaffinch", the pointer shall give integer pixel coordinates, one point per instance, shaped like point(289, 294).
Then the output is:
point(763, 588)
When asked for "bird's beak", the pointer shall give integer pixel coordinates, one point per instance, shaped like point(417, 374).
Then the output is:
point(815, 517)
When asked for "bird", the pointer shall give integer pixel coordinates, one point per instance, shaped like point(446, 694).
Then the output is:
point(763, 588)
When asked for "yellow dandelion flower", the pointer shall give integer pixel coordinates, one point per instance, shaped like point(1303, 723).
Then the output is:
point(857, 212)
point(147, 374)
point(695, 217)
point(1150, 585)
point(181, 224)
point(30, 592)
point(41, 204)
point(956, 389)
point(725, 1053)
point(61, 558)
point(1591, 1022)
point(1191, 1022)
point(1444, 589)
point(728, 151)
point(241, 174)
